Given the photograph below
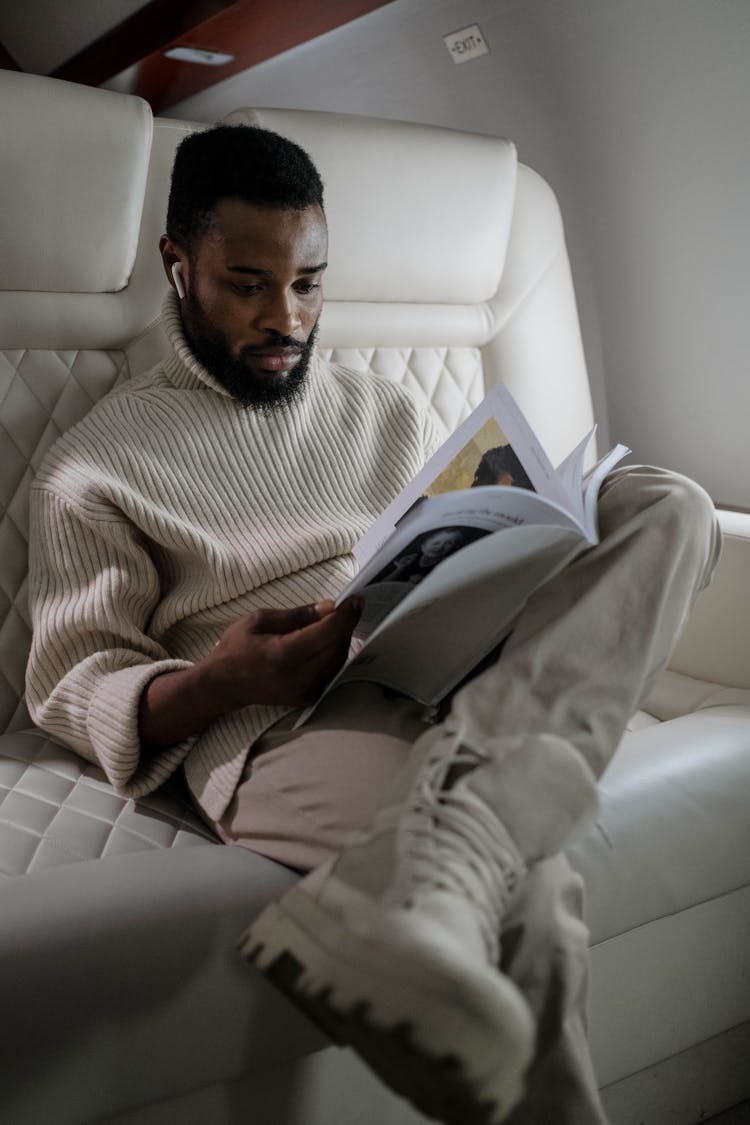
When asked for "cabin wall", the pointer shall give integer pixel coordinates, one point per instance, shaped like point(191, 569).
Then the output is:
point(638, 114)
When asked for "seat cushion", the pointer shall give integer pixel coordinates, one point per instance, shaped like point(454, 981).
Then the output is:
point(673, 829)
point(57, 809)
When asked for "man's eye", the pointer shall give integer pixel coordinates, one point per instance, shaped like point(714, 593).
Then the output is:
point(307, 286)
point(246, 290)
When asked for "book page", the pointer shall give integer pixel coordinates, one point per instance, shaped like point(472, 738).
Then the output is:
point(570, 474)
point(494, 445)
point(592, 484)
point(438, 529)
point(460, 611)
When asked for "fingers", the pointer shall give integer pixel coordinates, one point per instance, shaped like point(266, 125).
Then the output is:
point(353, 604)
point(289, 620)
point(334, 629)
point(284, 621)
point(320, 650)
point(282, 656)
point(340, 621)
point(316, 651)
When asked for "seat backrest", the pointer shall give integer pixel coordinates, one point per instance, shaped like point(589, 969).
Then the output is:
point(448, 272)
point(447, 267)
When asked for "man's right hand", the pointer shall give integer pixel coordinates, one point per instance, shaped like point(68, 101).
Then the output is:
point(284, 656)
point(272, 656)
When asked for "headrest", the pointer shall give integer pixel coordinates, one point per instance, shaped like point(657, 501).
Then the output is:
point(416, 212)
point(72, 187)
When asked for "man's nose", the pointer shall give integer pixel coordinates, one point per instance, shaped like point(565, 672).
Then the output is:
point(280, 314)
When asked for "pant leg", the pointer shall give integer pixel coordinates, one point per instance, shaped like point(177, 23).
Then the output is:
point(587, 647)
point(545, 953)
point(304, 793)
point(584, 652)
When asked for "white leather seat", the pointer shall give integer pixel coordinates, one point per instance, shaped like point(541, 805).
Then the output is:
point(118, 919)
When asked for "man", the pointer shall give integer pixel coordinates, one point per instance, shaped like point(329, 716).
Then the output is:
point(187, 538)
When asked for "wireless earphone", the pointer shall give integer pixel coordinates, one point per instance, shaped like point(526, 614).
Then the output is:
point(177, 275)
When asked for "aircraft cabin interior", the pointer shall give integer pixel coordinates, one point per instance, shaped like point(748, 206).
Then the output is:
point(543, 197)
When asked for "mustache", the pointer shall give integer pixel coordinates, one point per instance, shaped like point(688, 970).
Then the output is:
point(287, 342)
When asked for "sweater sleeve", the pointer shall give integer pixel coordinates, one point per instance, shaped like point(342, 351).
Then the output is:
point(92, 589)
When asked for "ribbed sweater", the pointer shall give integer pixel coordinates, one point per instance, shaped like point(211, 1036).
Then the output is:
point(167, 514)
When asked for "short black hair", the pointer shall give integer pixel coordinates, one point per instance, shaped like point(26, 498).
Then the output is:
point(495, 462)
point(236, 162)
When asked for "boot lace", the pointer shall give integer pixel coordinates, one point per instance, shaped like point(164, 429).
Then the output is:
point(451, 840)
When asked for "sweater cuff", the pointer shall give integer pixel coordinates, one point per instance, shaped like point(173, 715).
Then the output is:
point(113, 730)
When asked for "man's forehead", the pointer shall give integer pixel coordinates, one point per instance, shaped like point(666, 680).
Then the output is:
point(235, 223)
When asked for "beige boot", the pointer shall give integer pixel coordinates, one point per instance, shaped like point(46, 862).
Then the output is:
point(393, 947)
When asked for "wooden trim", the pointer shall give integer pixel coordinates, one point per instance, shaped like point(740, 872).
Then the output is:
point(249, 30)
point(149, 29)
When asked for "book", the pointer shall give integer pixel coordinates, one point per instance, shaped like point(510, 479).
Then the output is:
point(450, 563)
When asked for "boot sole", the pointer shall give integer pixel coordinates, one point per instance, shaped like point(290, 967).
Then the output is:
point(425, 1039)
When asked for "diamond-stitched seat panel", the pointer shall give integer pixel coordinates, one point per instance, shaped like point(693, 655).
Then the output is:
point(57, 809)
point(42, 394)
point(450, 379)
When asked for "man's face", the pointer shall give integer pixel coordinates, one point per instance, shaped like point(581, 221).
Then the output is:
point(253, 298)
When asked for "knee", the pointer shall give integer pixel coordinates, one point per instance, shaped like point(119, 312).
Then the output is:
point(674, 503)
point(685, 500)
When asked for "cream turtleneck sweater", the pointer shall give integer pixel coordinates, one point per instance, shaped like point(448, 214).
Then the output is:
point(169, 512)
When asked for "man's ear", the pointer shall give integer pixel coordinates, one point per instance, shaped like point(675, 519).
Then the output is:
point(175, 264)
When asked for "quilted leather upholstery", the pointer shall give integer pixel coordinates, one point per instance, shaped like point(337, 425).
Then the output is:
point(449, 379)
point(89, 234)
point(56, 809)
point(42, 394)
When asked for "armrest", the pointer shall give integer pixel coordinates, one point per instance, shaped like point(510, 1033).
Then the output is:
point(716, 643)
point(125, 984)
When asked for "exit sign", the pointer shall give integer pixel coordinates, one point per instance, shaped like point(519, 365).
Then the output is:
point(466, 44)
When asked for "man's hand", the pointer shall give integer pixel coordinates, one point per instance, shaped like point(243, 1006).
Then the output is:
point(283, 656)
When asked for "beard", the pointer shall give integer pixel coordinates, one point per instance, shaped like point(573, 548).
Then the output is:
point(265, 393)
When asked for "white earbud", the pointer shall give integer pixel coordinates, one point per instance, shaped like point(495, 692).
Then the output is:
point(177, 275)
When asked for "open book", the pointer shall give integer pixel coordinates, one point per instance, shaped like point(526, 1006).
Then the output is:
point(452, 560)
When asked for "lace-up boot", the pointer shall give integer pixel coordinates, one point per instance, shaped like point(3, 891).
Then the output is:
point(393, 947)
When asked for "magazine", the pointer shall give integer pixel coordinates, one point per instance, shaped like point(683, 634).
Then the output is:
point(447, 567)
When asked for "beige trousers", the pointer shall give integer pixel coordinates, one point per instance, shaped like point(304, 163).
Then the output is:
point(583, 654)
